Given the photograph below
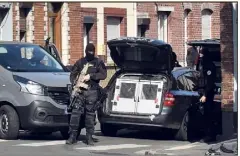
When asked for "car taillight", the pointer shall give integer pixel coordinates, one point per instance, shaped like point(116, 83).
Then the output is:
point(118, 98)
point(156, 100)
point(169, 100)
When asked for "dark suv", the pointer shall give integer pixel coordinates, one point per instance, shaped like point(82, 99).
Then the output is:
point(146, 91)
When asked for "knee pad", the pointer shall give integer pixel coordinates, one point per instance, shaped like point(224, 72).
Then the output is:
point(75, 118)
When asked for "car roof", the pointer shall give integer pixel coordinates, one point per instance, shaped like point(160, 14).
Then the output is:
point(17, 42)
point(155, 42)
point(177, 71)
point(204, 42)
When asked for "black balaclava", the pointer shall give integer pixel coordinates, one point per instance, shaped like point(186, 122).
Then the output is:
point(205, 56)
point(90, 51)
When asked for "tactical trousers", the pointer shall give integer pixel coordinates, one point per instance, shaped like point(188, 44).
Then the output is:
point(83, 106)
point(209, 115)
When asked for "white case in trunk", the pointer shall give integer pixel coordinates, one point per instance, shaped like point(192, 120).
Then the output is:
point(137, 96)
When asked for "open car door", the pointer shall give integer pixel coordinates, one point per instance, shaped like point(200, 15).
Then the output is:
point(52, 50)
point(214, 48)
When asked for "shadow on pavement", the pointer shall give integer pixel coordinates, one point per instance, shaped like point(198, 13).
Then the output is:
point(144, 134)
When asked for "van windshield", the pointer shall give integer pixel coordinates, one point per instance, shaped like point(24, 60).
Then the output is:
point(27, 58)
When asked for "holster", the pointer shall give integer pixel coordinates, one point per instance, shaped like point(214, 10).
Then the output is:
point(102, 95)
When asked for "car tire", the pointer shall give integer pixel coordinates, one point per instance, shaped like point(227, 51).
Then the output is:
point(185, 132)
point(108, 129)
point(9, 123)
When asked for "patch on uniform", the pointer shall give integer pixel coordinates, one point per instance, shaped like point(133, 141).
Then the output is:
point(209, 72)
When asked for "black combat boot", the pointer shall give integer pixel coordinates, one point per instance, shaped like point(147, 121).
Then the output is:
point(72, 138)
point(89, 139)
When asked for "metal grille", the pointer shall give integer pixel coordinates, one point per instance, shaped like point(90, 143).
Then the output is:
point(127, 90)
point(60, 95)
point(149, 92)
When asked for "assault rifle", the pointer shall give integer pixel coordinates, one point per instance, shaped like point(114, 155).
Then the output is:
point(78, 85)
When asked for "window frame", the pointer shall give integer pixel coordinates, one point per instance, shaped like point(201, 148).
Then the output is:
point(163, 33)
point(207, 14)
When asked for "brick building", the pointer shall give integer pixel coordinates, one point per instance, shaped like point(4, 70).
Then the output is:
point(72, 25)
point(177, 23)
point(229, 63)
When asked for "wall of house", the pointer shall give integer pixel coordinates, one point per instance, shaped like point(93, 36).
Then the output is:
point(6, 24)
point(110, 9)
point(227, 63)
point(176, 30)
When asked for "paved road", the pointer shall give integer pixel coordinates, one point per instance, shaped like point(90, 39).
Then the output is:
point(127, 143)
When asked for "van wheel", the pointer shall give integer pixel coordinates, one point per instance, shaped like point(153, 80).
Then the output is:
point(185, 133)
point(108, 129)
point(9, 123)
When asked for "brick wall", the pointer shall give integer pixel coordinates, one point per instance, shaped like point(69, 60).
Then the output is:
point(194, 27)
point(115, 12)
point(39, 23)
point(176, 23)
point(93, 30)
point(216, 21)
point(226, 54)
point(75, 32)
point(149, 8)
point(15, 33)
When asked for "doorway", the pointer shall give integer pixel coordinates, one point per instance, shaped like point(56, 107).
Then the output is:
point(54, 20)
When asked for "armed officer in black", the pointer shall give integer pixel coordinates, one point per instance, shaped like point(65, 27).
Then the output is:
point(86, 100)
point(207, 78)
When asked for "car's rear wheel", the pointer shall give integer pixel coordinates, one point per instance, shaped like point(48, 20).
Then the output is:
point(108, 129)
point(186, 131)
point(9, 123)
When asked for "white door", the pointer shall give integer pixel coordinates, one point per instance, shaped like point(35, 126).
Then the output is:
point(125, 96)
point(149, 97)
point(113, 31)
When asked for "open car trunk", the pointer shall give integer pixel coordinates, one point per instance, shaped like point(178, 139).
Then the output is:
point(141, 55)
point(144, 66)
point(136, 94)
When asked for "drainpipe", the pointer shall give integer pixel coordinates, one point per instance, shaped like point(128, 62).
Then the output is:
point(184, 36)
point(235, 73)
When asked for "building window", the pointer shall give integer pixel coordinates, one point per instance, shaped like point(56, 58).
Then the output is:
point(23, 23)
point(162, 26)
point(113, 31)
point(54, 21)
point(141, 30)
point(206, 24)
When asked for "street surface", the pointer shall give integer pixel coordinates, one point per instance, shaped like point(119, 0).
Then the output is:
point(127, 143)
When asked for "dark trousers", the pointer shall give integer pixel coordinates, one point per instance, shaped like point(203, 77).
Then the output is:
point(209, 115)
point(83, 106)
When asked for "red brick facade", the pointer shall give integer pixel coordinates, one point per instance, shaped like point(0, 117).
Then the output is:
point(176, 23)
point(227, 54)
point(75, 33)
point(115, 12)
point(14, 21)
point(38, 23)
point(93, 31)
